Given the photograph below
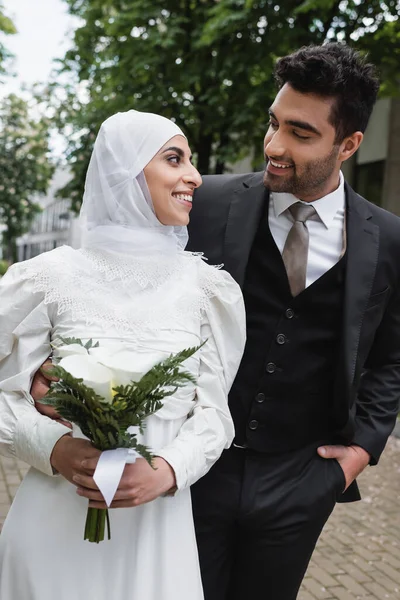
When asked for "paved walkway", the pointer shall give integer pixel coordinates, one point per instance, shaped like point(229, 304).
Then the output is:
point(358, 555)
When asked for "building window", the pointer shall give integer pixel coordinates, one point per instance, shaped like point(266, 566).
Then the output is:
point(369, 181)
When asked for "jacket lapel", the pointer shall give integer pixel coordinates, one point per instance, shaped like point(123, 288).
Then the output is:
point(362, 259)
point(243, 220)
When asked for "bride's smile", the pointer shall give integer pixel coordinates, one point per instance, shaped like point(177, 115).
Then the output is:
point(172, 178)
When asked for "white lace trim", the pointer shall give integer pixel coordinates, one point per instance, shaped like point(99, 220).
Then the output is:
point(125, 294)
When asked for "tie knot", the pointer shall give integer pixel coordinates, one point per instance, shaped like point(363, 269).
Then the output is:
point(301, 212)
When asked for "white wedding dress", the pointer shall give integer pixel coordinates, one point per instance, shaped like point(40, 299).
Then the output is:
point(152, 554)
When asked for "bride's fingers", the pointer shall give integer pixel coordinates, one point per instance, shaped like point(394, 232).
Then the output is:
point(85, 481)
point(90, 494)
point(120, 500)
point(90, 464)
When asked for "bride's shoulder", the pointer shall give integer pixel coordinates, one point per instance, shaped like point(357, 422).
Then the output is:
point(44, 268)
point(47, 261)
point(26, 283)
point(55, 257)
point(213, 278)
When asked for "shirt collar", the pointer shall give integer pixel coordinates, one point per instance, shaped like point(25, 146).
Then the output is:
point(326, 207)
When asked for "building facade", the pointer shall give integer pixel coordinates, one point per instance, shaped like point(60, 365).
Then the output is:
point(53, 227)
point(374, 170)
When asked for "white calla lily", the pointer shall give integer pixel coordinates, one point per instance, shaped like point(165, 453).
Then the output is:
point(94, 375)
point(126, 367)
point(101, 352)
point(69, 350)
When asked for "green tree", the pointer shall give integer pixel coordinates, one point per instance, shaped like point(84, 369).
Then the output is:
point(6, 28)
point(206, 63)
point(25, 169)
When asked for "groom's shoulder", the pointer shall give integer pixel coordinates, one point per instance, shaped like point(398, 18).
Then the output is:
point(210, 212)
point(385, 219)
point(218, 190)
point(227, 183)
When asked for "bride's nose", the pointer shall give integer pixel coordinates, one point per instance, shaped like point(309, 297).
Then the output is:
point(192, 177)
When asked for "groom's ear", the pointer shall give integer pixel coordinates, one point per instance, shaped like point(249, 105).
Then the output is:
point(350, 145)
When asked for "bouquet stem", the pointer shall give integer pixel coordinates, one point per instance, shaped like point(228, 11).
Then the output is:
point(95, 525)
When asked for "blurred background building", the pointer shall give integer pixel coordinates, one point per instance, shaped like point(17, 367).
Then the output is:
point(374, 170)
point(54, 226)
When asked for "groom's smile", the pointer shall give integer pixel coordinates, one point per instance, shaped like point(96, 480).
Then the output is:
point(300, 148)
point(278, 168)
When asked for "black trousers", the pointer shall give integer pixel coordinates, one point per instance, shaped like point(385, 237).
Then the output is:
point(258, 518)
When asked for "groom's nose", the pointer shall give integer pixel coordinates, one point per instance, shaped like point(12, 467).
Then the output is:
point(274, 145)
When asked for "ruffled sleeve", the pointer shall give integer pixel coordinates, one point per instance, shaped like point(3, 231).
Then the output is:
point(25, 329)
point(209, 429)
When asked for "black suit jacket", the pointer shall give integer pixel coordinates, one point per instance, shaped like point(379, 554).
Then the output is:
point(224, 220)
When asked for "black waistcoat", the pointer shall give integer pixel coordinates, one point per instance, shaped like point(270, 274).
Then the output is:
point(282, 397)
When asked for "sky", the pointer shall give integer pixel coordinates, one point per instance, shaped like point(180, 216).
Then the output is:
point(42, 27)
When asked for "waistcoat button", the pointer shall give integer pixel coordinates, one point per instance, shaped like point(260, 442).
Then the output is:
point(289, 313)
point(253, 425)
point(281, 339)
point(260, 397)
point(271, 367)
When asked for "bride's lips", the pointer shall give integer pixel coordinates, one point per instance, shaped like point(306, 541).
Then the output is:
point(184, 199)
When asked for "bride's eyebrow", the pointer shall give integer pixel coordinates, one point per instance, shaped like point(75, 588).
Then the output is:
point(179, 151)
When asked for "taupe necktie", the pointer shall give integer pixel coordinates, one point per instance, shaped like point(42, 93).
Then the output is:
point(295, 251)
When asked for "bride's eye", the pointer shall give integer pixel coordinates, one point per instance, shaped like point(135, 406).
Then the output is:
point(175, 159)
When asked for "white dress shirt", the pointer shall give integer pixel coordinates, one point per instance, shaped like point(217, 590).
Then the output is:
point(326, 230)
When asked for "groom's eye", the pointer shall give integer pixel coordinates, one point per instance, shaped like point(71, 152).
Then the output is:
point(301, 137)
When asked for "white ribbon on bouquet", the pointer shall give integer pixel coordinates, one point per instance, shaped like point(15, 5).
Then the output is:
point(109, 470)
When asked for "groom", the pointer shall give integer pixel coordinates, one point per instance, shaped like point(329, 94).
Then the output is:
point(316, 395)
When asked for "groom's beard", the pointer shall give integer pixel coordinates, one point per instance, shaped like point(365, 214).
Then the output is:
point(305, 179)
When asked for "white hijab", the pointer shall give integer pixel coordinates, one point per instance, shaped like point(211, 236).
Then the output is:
point(131, 274)
point(117, 212)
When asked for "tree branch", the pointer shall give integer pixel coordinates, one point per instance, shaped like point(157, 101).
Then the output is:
point(330, 17)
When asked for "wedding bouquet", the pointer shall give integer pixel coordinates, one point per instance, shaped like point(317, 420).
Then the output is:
point(107, 396)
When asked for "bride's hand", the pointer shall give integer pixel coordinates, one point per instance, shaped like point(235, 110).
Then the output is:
point(68, 455)
point(139, 484)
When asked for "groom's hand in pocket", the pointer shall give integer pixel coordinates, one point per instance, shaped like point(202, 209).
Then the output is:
point(352, 459)
point(139, 484)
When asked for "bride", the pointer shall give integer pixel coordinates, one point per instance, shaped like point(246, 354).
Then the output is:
point(130, 286)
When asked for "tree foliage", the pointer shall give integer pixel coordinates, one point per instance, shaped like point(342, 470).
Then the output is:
point(6, 28)
point(24, 166)
point(205, 63)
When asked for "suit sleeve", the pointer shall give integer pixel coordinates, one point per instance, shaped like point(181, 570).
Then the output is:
point(208, 218)
point(377, 404)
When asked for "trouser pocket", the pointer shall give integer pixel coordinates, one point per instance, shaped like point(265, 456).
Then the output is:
point(340, 477)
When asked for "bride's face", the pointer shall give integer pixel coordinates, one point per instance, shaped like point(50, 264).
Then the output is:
point(172, 179)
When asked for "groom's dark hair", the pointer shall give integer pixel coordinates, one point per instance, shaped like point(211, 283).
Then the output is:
point(337, 71)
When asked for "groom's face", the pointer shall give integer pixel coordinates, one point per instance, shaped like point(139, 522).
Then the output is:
point(300, 149)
